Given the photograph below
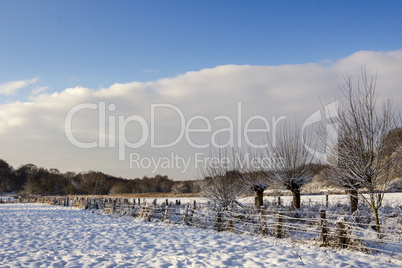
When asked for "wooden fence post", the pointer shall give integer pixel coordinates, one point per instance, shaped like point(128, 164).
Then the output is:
point(218, 222)
point(149, 213)
point(191, 214)
point(279, 201)
point(185, 221)
point(324, 230)
point(113, 205)
point(262, 218)
point(342, 237)
point(230, 222)
point(165, 215)
point(279, 226)
point(126, 205)
point(133, 209)
point(326, 200)
point(103, 203)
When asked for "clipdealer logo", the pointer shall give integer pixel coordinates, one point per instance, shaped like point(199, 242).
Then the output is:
point(112, 135)
point(331, 111)
point(148, 131)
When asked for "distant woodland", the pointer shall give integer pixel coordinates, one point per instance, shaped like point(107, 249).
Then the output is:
point(32, 180)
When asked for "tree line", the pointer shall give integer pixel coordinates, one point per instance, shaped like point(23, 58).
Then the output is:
point(29, 179)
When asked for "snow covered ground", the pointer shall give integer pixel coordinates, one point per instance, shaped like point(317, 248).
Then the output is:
point(35, 235)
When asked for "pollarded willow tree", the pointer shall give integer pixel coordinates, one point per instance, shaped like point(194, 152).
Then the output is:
point(361, 161)
point(248, 166)
point(291, 163)
point(335, 172)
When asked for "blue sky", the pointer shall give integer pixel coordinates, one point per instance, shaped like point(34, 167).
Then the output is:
point(98, 43)
point(278, 58)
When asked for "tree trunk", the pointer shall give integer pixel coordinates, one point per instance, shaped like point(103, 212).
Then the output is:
point(377, 220)
point(296, 198)
point(354, 200)
point(260, 200)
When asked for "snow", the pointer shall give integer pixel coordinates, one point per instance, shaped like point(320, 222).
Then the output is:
point(7, 198)
point(36, 235)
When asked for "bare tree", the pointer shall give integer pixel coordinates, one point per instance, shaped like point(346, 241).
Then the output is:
point(290, 167)
point(361, 160)
point(220, 180)
point(179, 188)
point(93, 182)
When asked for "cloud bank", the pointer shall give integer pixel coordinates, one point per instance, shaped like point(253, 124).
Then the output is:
point(34, 131)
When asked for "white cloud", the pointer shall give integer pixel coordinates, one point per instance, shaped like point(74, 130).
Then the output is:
point(33, 132)
point(11, 87)
point(37, 90)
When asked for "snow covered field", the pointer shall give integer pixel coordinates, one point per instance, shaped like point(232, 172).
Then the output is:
point(35, 235)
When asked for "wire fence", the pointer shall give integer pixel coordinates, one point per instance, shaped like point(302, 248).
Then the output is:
point(321, 227)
